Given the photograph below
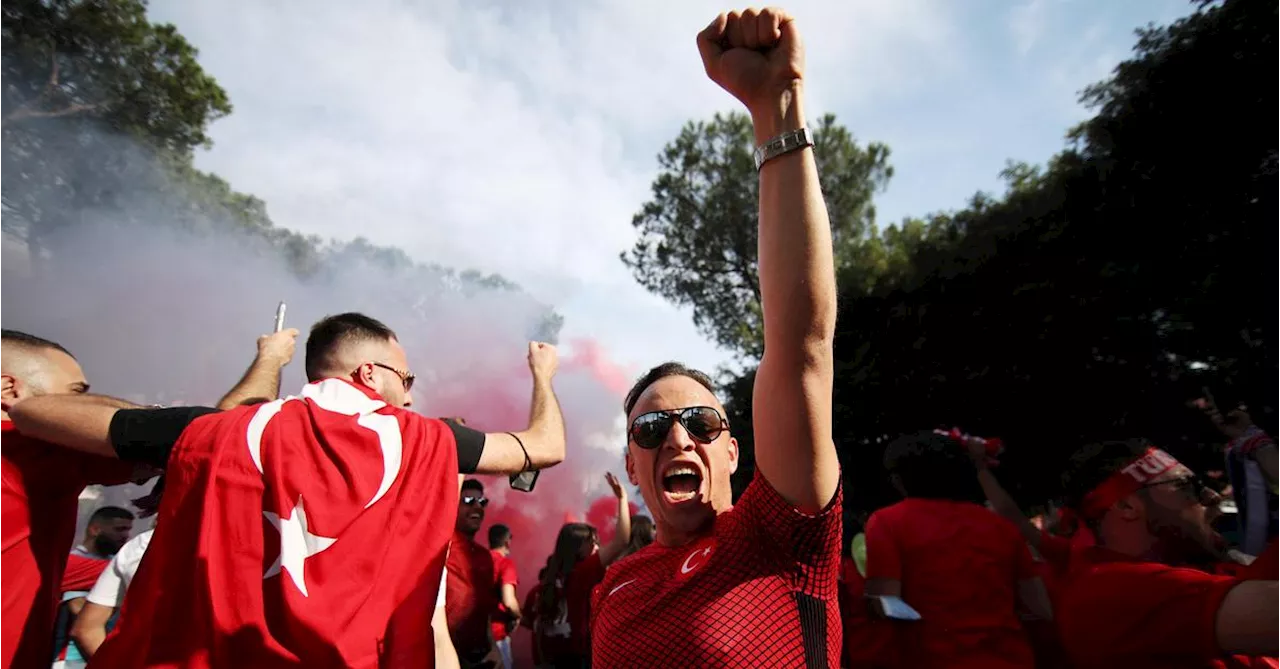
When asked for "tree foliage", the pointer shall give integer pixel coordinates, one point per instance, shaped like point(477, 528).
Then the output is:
point(1100, 292)
point(102, 112)
point(697, 244)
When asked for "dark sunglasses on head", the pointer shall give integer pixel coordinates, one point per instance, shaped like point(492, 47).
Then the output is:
point(704, 424)
point(468, 500)
point(407, 378)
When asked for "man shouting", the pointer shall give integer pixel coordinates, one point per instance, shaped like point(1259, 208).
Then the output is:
point(304, 532)
point(751, 585)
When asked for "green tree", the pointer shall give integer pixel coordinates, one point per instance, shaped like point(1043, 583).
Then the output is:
point(76, 71)
point(697, 243)
point(1096, 295)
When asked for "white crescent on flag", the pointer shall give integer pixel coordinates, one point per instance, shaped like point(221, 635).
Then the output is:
point(297, 543)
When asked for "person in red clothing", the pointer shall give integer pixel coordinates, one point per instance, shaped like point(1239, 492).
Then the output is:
point(1143, 597)
point(573, 571)
point(751, 584)
point(305, 531)
point(963, 568)
point(1053, 557)
point(470, 597)
point(507, 613)
point(42, 485)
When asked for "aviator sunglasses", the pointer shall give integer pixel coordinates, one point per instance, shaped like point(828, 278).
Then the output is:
point(468, 500)
point(704, 424)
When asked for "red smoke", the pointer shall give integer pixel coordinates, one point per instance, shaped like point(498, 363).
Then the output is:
point(495, 397)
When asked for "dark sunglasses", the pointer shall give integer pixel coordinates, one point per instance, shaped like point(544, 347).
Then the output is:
point(468, 500)
point(1191, 486)
point(407, 378)
point(704, 424)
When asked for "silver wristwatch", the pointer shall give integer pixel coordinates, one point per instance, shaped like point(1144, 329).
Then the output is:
point(784, 143)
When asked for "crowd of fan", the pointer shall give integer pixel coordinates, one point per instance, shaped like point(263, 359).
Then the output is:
point(314, 530)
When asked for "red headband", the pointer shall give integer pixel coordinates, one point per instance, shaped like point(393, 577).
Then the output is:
point(1129, 479)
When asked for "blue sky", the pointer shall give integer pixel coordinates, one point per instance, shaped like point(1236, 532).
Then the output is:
point(519, 137)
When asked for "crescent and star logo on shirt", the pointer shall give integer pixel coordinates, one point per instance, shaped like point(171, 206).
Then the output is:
point(692, 562)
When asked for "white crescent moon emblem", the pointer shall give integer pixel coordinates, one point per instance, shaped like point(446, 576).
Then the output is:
point(339, 397)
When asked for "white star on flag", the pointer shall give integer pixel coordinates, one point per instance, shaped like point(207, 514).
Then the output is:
point(297, 544)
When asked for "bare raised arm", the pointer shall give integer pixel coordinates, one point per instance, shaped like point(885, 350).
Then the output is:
point(757, 56)
point(544, 439)
point(622, 530)
point(261, 383)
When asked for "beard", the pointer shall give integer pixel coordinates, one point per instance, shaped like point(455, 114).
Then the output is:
point(1184, 543)
point(103, 545)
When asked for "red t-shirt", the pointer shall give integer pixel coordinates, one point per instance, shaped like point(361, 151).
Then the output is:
point(41, 488)
point(586, 575)
point(469, 594)
point(504, 569)
point(959, 565)
point(1128, 614)
point(760, 590)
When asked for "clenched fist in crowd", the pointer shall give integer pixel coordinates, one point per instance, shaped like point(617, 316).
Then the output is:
point(755, 55)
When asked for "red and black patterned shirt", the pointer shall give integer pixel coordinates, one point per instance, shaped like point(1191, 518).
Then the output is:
point(759, 591)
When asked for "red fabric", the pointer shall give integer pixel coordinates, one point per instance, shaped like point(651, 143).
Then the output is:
point(504, 574)
point(868, 643)
point(586, 575)
point(1128, 614)
point(1126, 481)
point(959, 566)
point(1266, 566)
point(81, 573)
point(209, 593)
point(729, 599)
point(41, 491)
point(470, 597)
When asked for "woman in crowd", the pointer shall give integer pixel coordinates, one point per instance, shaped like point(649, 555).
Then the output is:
point(573, 571)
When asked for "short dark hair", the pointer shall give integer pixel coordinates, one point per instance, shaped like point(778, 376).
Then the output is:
point(499, 535)
point(30, 340)
point(661, 372)
point(472, 484)
point(333, 332)
point(1094, 463)
point(932, 465)
point(110, 513)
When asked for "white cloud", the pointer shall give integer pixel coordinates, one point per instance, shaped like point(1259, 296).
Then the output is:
point(516, 138)
point(1027, 23)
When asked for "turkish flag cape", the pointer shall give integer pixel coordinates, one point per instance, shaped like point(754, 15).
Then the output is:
point(305, 532)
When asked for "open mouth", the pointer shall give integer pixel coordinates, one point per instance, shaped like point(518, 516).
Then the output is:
point(474, 516)
point(681, 482)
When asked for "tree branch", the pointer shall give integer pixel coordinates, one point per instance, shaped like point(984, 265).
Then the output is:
point(32, 110)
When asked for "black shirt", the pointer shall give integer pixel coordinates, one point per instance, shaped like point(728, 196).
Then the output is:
point(148, 435)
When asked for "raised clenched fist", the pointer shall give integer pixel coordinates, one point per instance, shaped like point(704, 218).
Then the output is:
point(543, 360)
point(756, 55)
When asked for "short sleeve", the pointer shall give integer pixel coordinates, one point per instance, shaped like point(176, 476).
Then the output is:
point(812, 541)
point(148, 435)
point(1147, 610)
point(883, 558)
point(109, 589)
point(506, 570)
point(470, 444)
